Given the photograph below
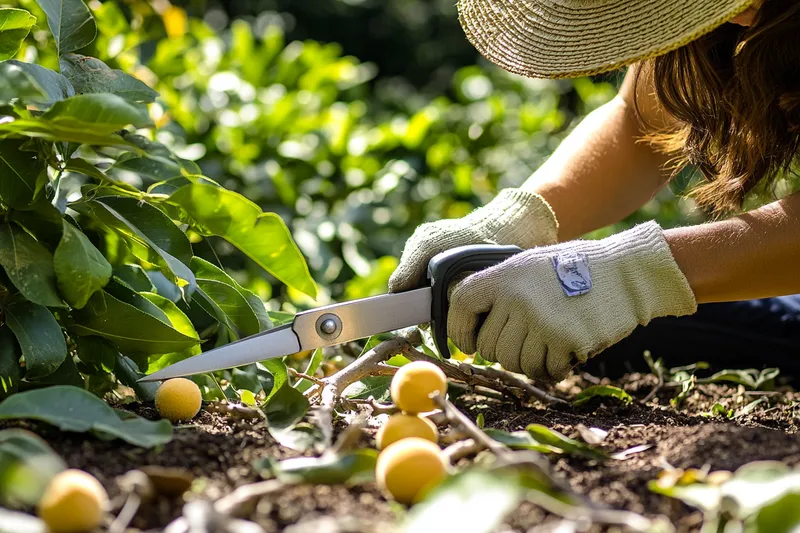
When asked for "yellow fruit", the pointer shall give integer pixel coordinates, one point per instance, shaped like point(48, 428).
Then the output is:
point(73, 502)
point(403, 426)
point(415, 383)
point(178, 399)
point(409, 468)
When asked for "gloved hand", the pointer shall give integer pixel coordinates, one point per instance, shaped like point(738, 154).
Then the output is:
point(547, 308)
point(514, 217)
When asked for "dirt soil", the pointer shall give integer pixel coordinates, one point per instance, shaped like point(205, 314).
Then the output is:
point(220, 453)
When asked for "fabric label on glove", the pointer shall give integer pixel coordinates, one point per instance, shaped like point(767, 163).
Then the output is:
point(573, 273)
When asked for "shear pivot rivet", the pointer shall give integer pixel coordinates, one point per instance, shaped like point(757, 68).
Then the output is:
point(328, 326)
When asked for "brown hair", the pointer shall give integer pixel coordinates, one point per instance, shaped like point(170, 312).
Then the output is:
point(736, 95)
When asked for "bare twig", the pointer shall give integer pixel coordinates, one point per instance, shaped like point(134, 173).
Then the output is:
point(486, 376)
point(368, 364)
point(594, 515)
point(236, 410)
point(126, 514)
point(329, 390)
point(301, 375)
point(377, 407)
point(459, 420)
point(658, 386)
point(234, 503)
point(460, 449)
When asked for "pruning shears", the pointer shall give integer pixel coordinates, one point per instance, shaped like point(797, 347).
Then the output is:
point(356, 319)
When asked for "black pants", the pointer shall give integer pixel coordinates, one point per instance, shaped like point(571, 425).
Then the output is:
point(748, 334)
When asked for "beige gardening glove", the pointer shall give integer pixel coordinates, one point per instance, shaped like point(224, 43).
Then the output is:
point(545, 309)
point(515, 217)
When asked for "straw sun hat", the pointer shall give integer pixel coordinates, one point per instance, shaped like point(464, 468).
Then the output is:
point(569, 38)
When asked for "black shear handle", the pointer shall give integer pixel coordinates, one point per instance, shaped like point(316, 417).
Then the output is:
point(445, 268)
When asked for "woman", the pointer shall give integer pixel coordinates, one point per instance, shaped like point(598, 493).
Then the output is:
point(714, 84)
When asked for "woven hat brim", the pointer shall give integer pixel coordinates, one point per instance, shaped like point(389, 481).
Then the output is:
point(570, 38)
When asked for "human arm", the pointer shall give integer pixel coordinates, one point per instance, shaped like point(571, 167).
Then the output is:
point(602, 171)
point(521, 314)
point(753, 255)
point(598, 175)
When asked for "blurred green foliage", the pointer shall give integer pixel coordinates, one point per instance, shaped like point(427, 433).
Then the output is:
point(352, 160)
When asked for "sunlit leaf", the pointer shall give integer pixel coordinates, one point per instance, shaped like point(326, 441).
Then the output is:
point(27, 464)
point(16, 83)
point(79, 266)
point(354, 467)
point(474, 501)
point(55, 86)
point(285, 407)
point(262, 236)
point(130, 329)
point(9, 363)
point(98, 113)
point(39, 336)
point(376, 387)
point(15, 24)
point(89, 75)
point(520, 440)
point(601, 391)
point(71, 24)
point(550, 437)
point(74, 409)
point(313, 364)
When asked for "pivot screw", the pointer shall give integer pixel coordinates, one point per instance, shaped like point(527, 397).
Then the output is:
point(328, 326)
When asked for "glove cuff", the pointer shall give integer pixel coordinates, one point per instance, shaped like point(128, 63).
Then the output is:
point(521, 218)
point(658, 286)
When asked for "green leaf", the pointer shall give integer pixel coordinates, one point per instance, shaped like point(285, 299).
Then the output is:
point(520, 440)
point(133, 276)
point(474, 501)
point(9, 363)
point(97, 352)
point(330, 469)
point(205, 270)
point(747, 409)
point(229, 306)
point(750, 378)
point(60, 132)
point(128, 374)
point(313, 364)
point(376, 387)
point(181, 323)
point(39, 336)
point(29, 266)
point(549, 437)
point(704, 497)
point(151, 227)
point(130, 329)
point(261, 236)
point(280, 376)
point(98, 113)
point(81, 166)
point(22, 171)
point(16, 83)
point(27, 464)
point(285, 408)
point(80, 268)
point(74, 409)
point(15, 24)
point(71, 24)
point(601, 391)
point(781, 516)
point(89, 75)
point(55, 86)
point(131, 297)
point(66, 374)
